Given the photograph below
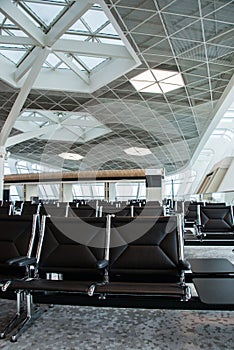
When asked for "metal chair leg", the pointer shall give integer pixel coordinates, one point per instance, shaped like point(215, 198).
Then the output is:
point(25, 321)
point(13, 321)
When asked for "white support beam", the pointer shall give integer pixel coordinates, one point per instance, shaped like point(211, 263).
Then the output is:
point(91, 48)
point(21, 20)
point(73, 67)
point(67, 20)
point(16, 40)
point(221, 107)
point(27, 64)
point(82, 123)
point(2, 162)
point(14, 140)
point(20, 100)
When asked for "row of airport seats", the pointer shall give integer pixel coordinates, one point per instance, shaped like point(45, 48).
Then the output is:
point(98, 257)
point(210, 221)
point(101, 259)
point(92, 209)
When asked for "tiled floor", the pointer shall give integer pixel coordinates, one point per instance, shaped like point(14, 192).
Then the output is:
point(84, 328)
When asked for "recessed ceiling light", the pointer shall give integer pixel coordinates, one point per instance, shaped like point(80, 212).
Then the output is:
point(161, 74)
point(176, 79)
point(169, 87)
point(157, 81)
point(139, 85)
point(145, 76)
point(154, 88)
point(70, 156)
point(137, 151)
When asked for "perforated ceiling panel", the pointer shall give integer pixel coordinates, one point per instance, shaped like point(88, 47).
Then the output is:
point(190, 37)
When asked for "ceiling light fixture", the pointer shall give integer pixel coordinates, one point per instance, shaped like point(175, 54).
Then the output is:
point(70, 156)
point(157, 81)
point(137, 151)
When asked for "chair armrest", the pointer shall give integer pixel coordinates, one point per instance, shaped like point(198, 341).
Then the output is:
point(102, 264)
point(185, 265)
point(21, 261)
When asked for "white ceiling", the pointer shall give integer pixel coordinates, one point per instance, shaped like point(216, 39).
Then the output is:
point(192, 38)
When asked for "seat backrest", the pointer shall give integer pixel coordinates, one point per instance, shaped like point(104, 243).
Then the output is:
point(190, 211)
point(5, 211)
point(71, 247)
point(112, 209)
point(17, 237)
point(82, 212)
point(145, 248)
point(149, 211)
point(52, 210)
point(29, 209)
point(216, 219)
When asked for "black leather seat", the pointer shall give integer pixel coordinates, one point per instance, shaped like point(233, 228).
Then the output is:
point(146, 257)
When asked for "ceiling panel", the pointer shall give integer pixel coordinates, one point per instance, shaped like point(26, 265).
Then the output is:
point(191, 37)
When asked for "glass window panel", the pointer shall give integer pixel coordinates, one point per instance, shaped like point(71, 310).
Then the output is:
point(16, 32)
point(79, 26)
point(111, 41)
point(8, 22)
point(46, 12)
point(63, 66)
point(125, 191)
point(91, 62)
point(95, 19)
point(1, 17)
point(74, 37)
point(48, 191)
point(12, 55)
point(77, 64)
point(88, 191)
point(52, 59)
point(16, 193)
point(109, 29)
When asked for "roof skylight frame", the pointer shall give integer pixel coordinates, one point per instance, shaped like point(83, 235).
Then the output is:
point(118, 59)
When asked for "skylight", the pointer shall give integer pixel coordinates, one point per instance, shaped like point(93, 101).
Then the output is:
point(157, 81)
point(70, 39)
point(137, 151)
point(59, 126)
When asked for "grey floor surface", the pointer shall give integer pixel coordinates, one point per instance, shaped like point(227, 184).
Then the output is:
point(73, 327)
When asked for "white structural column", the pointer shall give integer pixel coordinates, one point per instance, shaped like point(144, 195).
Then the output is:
point(31, 190)
point(2, 160)
point(112, 192)
point(154, 184)
point(67, 192)
point(16, 109)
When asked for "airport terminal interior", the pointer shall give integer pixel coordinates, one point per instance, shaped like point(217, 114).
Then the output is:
point(116, 174)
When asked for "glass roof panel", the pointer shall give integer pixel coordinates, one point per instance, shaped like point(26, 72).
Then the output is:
point(8, 22)
point(45, 11)
point(91, 62)
point(109, 29)
point(111, 41)
point(78, 25)
point(15, 31)
point(13, 55)
point(74, 36)
point(75, 61)
point(95, 19)
point(52, 59)
point(1, 17)
point(63, 66)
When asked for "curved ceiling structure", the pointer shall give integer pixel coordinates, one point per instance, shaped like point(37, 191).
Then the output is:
point(123, 84)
